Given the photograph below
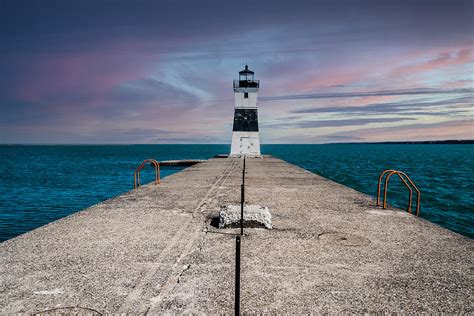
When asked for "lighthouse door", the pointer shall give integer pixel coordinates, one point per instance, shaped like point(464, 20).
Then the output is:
point(244, 145)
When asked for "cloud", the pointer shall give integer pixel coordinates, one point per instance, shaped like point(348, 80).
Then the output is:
point(348, 122)
point(455, 129)
point(75, 71)
point(402, 106)
point(311, 138)
point(142, 132)
point(192, 140)
point(421, 91)
point(463, 56)
point(340, 138)
point(127, 135)
point(337, 123)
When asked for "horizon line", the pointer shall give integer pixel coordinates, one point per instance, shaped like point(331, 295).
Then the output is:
point(228, 144)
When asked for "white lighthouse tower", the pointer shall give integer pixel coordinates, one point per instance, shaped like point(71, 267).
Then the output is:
point(245, 139)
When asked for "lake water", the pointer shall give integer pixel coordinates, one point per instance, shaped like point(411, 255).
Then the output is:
point(39, 184)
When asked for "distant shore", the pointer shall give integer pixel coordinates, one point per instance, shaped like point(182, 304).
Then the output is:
point(462, 141)
point(450, 141)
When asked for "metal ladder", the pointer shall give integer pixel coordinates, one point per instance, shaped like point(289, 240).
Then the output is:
point(406, 181)
point(136, 174)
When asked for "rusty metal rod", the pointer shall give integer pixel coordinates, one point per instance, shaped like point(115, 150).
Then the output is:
point(237, 276)
point(418, 193)
point(242, 199)
point(378, 185)
point(243, 173)
point(404, 182)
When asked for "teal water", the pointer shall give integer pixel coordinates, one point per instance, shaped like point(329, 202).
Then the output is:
point(39, 184)
point(441, 172)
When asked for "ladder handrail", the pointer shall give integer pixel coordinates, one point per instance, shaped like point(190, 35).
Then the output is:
point(136, 174)
point(404, 182)
point(418, 193)
point(401, 175)
point(378, 186)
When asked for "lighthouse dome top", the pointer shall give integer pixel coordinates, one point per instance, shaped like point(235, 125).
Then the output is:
point(246, 74)
point(246, 71)
point(246, 81)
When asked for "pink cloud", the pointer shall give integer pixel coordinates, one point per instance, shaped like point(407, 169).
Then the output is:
point(87, 74)
point(371, 100)
point(334, 78)
point(458, 84)
point(461, 129)
point(382, 72)
point(444, 59)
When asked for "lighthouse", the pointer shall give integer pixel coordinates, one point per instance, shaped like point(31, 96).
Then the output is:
point(245, 138)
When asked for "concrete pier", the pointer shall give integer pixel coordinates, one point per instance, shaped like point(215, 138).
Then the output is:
point(180, 163)
point(154, 250)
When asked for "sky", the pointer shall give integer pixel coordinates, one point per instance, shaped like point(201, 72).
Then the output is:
point(122, 72)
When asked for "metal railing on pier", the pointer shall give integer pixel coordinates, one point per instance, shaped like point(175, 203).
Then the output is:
point(136, 174)
point(409, 184)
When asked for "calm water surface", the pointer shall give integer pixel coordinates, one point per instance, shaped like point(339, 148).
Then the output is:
point(39, 184)
point(441, 172)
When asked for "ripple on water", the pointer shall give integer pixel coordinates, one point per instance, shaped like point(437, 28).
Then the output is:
point(60, 180)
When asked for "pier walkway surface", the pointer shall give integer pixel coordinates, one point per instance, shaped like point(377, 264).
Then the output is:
point(154, 250)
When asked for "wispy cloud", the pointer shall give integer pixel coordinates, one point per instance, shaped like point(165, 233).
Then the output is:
point(463, 56)
point(422, 91)
point(402, 106)
point(337, 123)
point(162, 75)
point(455, 129)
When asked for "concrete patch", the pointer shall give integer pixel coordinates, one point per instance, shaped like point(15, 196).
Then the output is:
point(49, 292)
point(255, 216)
point(70, 311)
point(343, 239)
point(386, 212)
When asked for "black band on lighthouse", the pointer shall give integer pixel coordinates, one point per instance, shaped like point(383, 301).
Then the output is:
point(245, 120)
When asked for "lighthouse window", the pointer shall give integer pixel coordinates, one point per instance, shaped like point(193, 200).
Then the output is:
point(246, 95)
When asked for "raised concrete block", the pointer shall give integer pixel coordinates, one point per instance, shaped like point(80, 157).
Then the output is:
point(255, 216)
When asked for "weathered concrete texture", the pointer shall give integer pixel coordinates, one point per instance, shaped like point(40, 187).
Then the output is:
point(154, 250)
point(180, 163)
point(255, 216)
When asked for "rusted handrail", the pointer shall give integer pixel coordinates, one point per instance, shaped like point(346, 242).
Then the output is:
point(404, 177)
point(136, 174)
point(404, 182)
point(378, 186)
point(418, 193)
